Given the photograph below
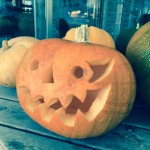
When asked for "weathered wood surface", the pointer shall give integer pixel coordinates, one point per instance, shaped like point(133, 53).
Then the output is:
point(17, 129)
point(13, 139)
point(8, 93)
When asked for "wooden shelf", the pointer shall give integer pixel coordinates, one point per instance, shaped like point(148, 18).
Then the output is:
point(20, 132)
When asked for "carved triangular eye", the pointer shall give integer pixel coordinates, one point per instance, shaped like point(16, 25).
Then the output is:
point(99, 70)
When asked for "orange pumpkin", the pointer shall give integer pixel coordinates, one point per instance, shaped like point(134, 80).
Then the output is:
point(77, 90)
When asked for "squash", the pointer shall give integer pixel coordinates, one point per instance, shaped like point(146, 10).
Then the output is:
point(75, 89)
point(11, 53)
point(138, 53)
point(94, 34)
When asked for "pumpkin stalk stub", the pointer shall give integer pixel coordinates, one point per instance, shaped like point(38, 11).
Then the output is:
point(5, 45)
point(81, 33)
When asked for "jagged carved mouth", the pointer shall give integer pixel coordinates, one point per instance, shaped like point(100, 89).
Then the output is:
point(89, 109)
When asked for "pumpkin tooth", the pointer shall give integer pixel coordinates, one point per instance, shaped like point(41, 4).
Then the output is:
point(32, 106)
point(79, 113)
point(79, 116)
point(101, 98)
point(86, 126)
point(58, 114)
point(37, 98)
point(33, 96)
point(67, 119)
point(48, 115)
point(65, 100)
point(81, 95)
point(51, 101)
point(45, 112)
point(61, 111)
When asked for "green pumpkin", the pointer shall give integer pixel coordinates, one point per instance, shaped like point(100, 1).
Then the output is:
point(138, 53)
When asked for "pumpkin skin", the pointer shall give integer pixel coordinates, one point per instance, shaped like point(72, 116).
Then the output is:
point(11, 53)
point(138, 53)
point(77, 90)
point(95, 35)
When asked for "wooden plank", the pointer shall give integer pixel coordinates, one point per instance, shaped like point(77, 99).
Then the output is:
point(13, 139)
point(8, 93)
point(138, 110)
point(11, 115)
point(139, 117)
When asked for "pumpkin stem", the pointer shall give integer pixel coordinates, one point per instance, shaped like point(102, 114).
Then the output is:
point(5, 45)
point(81, 33)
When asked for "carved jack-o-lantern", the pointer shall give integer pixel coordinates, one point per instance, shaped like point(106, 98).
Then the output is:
point(77, 90)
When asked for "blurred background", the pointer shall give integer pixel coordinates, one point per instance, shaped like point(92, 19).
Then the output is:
point(53, 18)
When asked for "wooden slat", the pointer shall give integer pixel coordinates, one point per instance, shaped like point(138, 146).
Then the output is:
point(12, 116)
point(140, 111)
point(139, 117)
point(8, 93)
point(18, 140)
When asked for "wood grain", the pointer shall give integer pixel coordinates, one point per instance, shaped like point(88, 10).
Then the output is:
point(19, 140)
point(8, 93)
point(19, 131)
point(13, 117)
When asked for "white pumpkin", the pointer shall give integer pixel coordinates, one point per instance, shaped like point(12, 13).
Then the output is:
point(11, 53)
